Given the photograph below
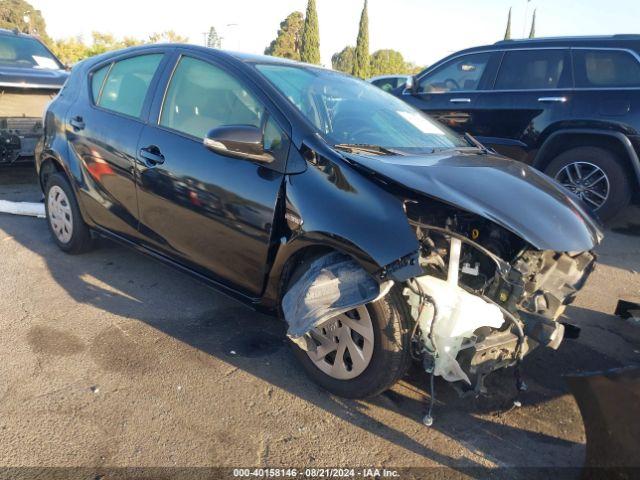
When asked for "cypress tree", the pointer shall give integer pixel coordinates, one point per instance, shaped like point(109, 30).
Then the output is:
point(310, 51)
point(361, 64)
point(507, 33)
point(532, 33)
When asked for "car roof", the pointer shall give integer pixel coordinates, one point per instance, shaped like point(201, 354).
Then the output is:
point(612, 41)
point(236, 56)
point(17, 33)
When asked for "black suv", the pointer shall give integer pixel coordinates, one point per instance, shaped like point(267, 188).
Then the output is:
point(567, 106)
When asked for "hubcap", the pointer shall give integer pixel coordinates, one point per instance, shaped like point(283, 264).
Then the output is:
point(587, 181)
point(60, 216)
point(344, 345)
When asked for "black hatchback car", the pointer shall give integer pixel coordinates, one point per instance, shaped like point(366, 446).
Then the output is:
point(567, 106)
point(312, 194)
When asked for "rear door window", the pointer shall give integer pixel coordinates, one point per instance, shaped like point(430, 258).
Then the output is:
point(460, 74)
point(534, 70)
point(605, 69)
point(126, 85)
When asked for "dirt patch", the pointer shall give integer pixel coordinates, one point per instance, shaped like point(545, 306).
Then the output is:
point(50, 341)
point(115, 350)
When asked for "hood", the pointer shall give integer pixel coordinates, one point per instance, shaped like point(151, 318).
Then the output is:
point(511, 194)
point(24, 77)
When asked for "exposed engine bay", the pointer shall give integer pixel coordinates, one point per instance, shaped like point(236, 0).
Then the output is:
point(486, 298)
point(21, 127)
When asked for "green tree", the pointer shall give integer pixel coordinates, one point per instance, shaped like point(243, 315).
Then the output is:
point(532, 33)
point(310, 50)
point(343, 60)
point(167, 37)
point(70, 50)
point(507, 32)
point(288, 40)
point(213, 39)
point(102, 42)
point(13, 14)
point(361, 61)
point(387, 62)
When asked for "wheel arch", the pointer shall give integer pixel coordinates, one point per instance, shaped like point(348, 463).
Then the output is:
point(48, 166)
point(306, 248)
point(564, 140)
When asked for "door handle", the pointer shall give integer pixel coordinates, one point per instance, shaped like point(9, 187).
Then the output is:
point(77, 123)
point(152, 155)
point(552, 99)
point(460, 100)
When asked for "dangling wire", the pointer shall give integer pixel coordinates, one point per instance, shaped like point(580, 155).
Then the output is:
point(428, 418)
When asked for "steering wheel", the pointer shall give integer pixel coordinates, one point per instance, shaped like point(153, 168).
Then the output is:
point(451, 81)
point(357, 132)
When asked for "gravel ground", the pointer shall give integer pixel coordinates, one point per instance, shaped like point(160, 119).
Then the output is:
point(112, 359)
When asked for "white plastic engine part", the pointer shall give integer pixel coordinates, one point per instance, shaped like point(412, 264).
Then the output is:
point(458, 314)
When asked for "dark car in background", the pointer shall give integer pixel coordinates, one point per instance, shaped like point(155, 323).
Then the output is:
point(30, 77)
point(567, 106)
point(262, 177)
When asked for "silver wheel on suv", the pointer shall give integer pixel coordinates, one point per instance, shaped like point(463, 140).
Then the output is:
point(586, 180)
point(60, 214)
point(344, 344)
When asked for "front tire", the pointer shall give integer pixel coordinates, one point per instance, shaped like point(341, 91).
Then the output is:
point(65, 222)
point(385, 348)
point(596, 176)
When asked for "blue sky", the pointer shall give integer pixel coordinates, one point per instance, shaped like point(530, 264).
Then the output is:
point(423, 30)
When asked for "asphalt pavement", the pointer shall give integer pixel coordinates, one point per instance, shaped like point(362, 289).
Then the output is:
point(113, 359)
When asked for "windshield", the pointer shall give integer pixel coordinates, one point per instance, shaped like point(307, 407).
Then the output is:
point(350, 111)
point(16, 51)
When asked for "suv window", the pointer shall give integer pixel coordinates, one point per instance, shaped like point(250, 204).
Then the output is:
point(533, 70)
point(202, 97)
point(605, 68)
point(125, 89)
point(463, 73)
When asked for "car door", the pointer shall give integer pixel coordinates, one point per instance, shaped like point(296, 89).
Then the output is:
point(210, 212)
point(451, 92)
point(533, 91)
point(103, 129)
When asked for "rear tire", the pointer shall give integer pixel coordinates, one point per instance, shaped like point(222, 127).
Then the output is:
point(66, 225)
point(390, 318)
point(592, 159)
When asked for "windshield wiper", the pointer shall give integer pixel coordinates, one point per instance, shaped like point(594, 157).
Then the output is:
point(474, 141)
point(366, 148)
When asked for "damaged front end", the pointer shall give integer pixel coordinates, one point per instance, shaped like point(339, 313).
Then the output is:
point(486, 298)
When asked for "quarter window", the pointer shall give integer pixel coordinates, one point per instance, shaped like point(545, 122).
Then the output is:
point(202, 97)
point(126, 86)
point(606, 69)
point(533, 70)
point(462, 73)
point(97, 79)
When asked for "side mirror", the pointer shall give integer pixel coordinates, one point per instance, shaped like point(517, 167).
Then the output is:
point(410, 83)
point(239, 141)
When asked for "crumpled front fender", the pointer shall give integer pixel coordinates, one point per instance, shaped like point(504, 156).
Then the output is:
point(331, 204)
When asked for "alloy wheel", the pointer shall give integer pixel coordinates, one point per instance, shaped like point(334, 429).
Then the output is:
point(587, 181)
point(344, 345)
point(60, 214)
